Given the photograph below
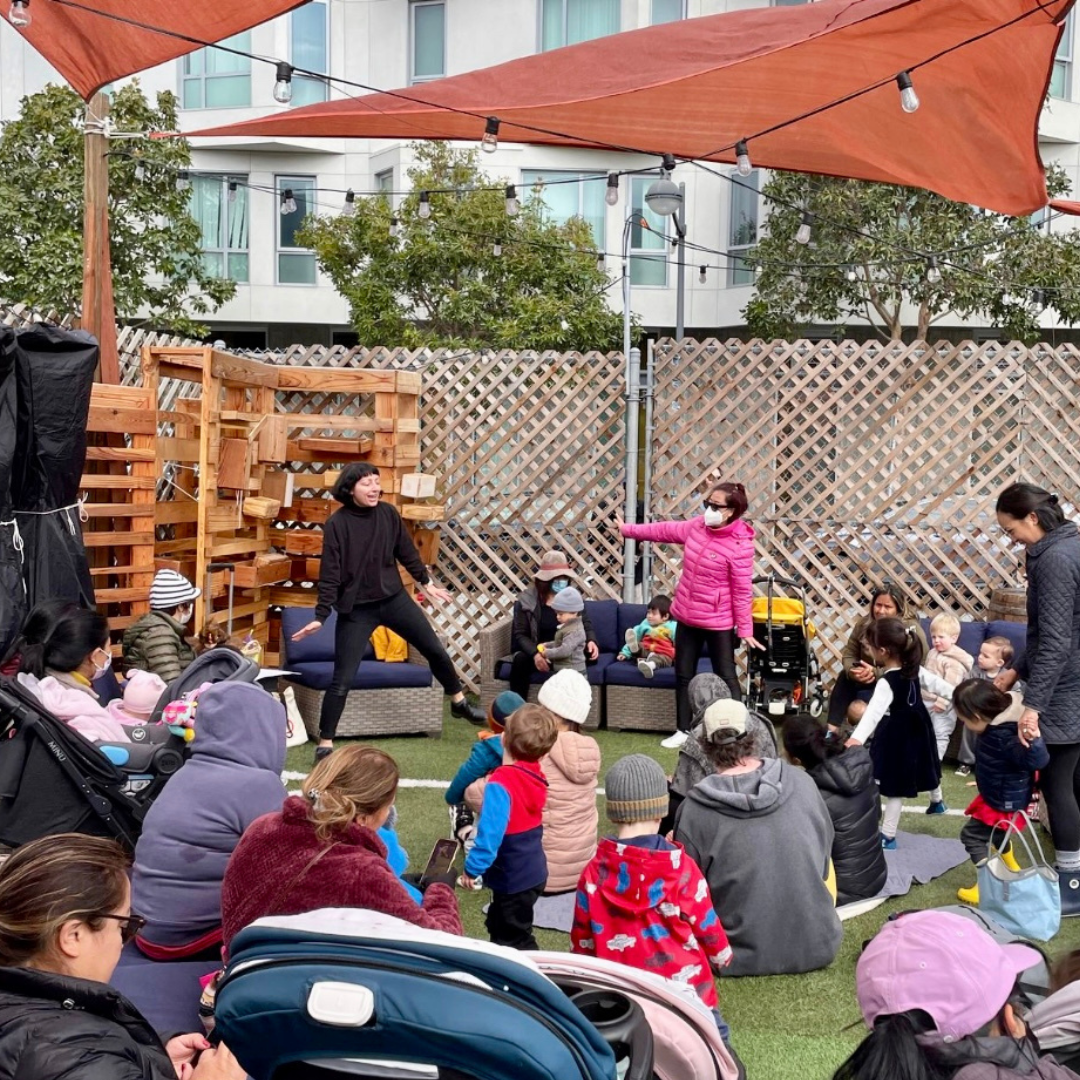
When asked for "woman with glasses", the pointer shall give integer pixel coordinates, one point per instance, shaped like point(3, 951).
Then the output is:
point(712, 600)
point(65, 914)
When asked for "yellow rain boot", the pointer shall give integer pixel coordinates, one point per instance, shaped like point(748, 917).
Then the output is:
point(969, 896)
point(1009, 859)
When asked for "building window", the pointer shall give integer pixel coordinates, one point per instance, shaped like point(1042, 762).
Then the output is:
point(667, 11)
point(427, 40)
point(743, 227)
point(214, 79)
point(1061, 75)
point(295, 265)
point(223, 218)
point(575, 195)
point(384, 182)
point(308, 34)
point(648, 246)
point(566, 22)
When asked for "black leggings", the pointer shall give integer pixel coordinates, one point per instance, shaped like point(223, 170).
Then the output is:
point(689, 641)
point(522, 669)
point(399, 613)
point(1060, 785)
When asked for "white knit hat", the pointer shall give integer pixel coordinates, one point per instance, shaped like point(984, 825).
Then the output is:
point(567, 694)
point(171, 589)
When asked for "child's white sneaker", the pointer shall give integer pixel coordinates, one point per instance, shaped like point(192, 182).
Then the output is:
point(676, 741)
point(632, 642)
point(647, 668)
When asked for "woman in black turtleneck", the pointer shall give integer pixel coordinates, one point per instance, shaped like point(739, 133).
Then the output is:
point(362, 544)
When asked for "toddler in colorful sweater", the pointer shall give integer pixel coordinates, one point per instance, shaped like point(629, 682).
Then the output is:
point(653, 639)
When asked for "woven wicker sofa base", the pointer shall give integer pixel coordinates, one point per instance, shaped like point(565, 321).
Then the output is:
point(636, 708)
point(489, 691)
point(409, 711)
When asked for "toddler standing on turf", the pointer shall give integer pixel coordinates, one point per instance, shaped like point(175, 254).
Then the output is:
point(642, 901)
point(653, 638)
point(949, 662)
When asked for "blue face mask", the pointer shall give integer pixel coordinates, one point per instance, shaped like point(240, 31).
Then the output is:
point(559, 584)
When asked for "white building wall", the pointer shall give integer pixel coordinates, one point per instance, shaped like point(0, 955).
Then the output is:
point(368, 43)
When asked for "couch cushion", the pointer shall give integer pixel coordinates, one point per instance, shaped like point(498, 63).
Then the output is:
point(604, 615)
point(594, 672)
point(629, 617)
point(370, 675)
point(625, 673)
point(318, 647)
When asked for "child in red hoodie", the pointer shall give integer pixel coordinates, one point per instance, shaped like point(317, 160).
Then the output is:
point(643, 901)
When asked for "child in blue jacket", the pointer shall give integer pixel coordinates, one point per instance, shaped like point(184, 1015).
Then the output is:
point(653, 639)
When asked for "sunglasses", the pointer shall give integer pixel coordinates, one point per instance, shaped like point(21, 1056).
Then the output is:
point(130, 925)
point(715, 506)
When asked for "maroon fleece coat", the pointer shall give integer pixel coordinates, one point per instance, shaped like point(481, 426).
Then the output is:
point(266, 875)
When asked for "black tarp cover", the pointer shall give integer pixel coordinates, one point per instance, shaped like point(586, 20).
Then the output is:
point(55, 370)
point(12, 592)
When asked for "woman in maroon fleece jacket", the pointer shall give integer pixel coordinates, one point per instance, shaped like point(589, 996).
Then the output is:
point(321, 850)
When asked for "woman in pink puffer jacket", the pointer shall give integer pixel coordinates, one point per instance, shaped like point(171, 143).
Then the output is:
point(712, 599)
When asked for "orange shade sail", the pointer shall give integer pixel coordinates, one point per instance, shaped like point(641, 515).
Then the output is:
point(91, 49)
point(693, 88)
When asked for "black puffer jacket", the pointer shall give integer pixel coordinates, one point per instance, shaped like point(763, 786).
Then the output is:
point(846, 783)
point(57, 1028)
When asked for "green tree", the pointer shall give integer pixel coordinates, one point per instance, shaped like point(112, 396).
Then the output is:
point(440, 283)
point(1004, 269)
point(157, 268)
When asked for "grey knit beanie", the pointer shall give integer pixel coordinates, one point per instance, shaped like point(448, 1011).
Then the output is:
point(637, 790)
point(568, 600)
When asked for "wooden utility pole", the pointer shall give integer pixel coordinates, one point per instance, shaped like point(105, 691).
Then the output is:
point(98, 309)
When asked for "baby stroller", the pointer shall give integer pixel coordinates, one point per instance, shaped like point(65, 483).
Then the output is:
point(213, 666)
point(53, 780)
point(354, 992)
point(784, 677)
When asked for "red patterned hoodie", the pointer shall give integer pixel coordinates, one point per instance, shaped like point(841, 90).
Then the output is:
point(645, 903)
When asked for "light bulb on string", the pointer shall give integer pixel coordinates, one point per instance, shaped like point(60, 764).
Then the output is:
point(496, 249)
point(664, 196)
point(232, 191)
point(909, 100)
point(283, 86)
point(424, 209)
point(490, 141)
point(850, 273)
point(933, 274)
point(611, 196)
point(19, 14)
point(395, 228)
point(140, 170)
point(182, 181)
point(512, 204)
point(742, 159)
point(288, 202)
point(349, 209)
point(802, 234)
point(601, 263)
point(703, 274)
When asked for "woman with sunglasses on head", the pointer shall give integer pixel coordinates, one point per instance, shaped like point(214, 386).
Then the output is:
point(65, 914)
point(712, 600)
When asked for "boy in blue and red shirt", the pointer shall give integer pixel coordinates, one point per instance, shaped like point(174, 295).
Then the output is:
point(508, 851)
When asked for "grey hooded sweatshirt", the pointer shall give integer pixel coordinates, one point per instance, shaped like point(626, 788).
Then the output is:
point(233, 777)
point(763, 840)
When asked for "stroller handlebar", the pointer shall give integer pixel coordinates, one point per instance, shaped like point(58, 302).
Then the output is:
point(776, 580)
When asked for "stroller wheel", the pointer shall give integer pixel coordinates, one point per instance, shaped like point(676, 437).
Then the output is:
point(815, 707)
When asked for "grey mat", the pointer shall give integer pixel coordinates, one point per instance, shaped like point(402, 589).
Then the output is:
point(555, 912)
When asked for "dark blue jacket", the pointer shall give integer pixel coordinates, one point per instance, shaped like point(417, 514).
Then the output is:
point(1004, 767)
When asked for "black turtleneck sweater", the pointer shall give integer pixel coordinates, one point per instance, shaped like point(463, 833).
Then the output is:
point(361, 549)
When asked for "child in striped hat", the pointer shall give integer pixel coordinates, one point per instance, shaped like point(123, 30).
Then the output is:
point(157, 641)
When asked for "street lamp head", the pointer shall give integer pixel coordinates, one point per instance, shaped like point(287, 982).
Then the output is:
point(664, 197)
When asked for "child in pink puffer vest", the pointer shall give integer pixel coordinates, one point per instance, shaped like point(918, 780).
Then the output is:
point(712, 600)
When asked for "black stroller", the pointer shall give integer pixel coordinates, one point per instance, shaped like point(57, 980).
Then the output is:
point(53, 780)
point(784, 677)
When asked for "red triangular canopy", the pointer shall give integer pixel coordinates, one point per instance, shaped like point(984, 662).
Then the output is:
point(91, 50)
point(693, 87)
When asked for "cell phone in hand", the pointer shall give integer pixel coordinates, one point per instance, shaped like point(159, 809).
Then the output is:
point(440, 862)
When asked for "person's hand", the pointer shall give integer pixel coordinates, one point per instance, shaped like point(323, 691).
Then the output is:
point(862, 672)
point(592, 650)
point(468, 882)
point(753, 643)
point(620, 657)
point(937, 707)
point(183, 1050)
point(433, 592)
point(852, 742)
point(541, 663)
point(619, 522)
point(1028, 727)
point(312, 627)
point(217, 1063)
point(1006, 680)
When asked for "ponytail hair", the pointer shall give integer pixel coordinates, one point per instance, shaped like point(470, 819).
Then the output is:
point(735, 495)
point(1019, 500)
point(892, 1051)
point(58, 635)
point(900, 640)
point(806, 738)
point(355, 781)
point(979, 699)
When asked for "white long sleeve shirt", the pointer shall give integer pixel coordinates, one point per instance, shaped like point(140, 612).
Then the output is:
point(879, 704)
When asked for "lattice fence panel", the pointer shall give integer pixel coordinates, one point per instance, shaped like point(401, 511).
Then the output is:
point(865, 463)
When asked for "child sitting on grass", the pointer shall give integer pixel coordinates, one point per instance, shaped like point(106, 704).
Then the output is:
point(642, 901)
point(1004, 767)
point(947, 661)
point(653, 638)
point(509, 853)
point(568, 648)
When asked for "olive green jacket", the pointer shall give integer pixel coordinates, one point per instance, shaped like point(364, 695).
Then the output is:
point(156, 643)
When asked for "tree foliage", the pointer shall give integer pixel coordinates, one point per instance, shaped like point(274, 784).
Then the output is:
point(440, 283)
point(869, 259)
point(157, 267)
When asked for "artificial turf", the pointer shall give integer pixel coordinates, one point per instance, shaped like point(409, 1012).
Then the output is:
point(781, 1025)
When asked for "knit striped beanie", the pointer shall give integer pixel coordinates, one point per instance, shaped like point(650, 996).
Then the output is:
point(171, 589)
point(636, 790)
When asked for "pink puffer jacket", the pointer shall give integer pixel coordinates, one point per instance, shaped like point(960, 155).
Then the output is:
point(570, 815)
point(714, 589)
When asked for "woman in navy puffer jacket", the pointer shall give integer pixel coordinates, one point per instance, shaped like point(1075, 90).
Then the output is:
point(712, 600)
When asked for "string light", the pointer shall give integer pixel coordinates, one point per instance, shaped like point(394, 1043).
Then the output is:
point(496, 249)
point(283, 86)
point(664, 197)
point(802, 236)
point(490, 142)
point(395, 228)
point(19, 15)
point(601, 263)
point(850, 274)
point(703, 274)
point(611, 196)
point(512, 204)
point(140, 170)
point(933, 274)
point(909, 100)
point(424, 209)
point(349, 209)
point(182, 181)
point(288, 203)
point(742, 158)
point(232, 191)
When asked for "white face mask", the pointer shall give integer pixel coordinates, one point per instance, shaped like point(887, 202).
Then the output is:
point(714, 518)
point(100, 669)
point(183, 616)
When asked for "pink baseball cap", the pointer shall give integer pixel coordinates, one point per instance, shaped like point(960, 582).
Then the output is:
point(943, 964)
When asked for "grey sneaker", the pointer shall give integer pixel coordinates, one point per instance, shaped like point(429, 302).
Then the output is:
point(632, 642)
point(647, 668)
